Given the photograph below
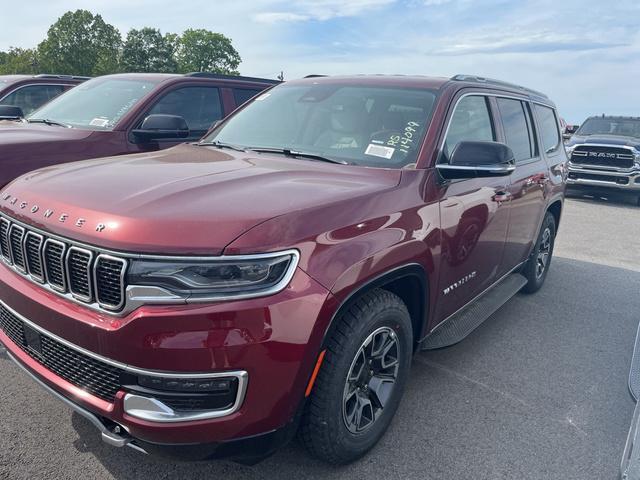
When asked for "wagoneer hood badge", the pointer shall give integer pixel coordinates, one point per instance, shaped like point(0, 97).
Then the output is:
point(48, 213)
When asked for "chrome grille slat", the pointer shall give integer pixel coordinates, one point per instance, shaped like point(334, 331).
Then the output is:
point(33, 244)
point(16, 235)
point(4, 239)
point(86, 275)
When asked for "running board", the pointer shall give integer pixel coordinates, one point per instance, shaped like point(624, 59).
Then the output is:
point(455, 328)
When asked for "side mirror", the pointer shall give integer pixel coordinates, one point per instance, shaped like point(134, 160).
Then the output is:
point(478, 159)
point(10, 112)
point(161, 126)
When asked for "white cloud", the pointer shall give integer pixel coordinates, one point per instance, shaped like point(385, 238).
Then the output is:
point(321, 10)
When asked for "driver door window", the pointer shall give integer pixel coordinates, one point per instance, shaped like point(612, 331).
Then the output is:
point(471, 121)
point(199, 106)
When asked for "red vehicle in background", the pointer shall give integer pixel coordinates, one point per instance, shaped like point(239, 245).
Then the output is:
point(30, 92)
point(119, 114)
point(215, 298)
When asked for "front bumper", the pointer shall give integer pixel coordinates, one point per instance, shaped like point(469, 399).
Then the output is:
point(616, 179)
point(273, 339)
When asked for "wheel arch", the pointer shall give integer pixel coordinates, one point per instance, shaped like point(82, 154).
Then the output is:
point(555, 208)
point(409, 282)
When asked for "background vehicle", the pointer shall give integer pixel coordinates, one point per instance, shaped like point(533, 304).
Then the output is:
point(605, 155)
point(212, 299)
point(30, 92)
point(106, 117)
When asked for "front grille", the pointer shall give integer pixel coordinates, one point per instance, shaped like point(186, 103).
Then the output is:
point(84, 273)
point(91, 375)
point(603, 156)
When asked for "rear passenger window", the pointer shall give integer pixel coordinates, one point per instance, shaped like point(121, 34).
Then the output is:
point(199, 106)
point(514, 115)
point(242, 95)
point(549, 130)
point(471, 121)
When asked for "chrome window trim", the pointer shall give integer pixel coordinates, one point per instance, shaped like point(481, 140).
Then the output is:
point(13, 262)
point(480, 93)
point(241, 375)
point(40, 254)
point(53, 287)
point(123, 271)
point(67, 269)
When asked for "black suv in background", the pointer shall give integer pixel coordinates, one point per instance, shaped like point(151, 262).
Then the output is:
point(605, 154)
point(30, 92)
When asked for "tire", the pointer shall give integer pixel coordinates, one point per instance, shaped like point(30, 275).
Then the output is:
point(534, 272)
point(330, 429)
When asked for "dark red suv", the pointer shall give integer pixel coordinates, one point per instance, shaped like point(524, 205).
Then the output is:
point(119, 114)
point(214, 298)
point(30, 92)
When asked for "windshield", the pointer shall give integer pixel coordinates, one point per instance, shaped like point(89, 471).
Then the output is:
point(371, 126)
point(628, 127)
point(96, 105)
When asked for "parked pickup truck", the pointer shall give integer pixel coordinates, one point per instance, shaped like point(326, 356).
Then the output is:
point(605, 155)
point(214, 298)
point(119, 114)
point(30, 92)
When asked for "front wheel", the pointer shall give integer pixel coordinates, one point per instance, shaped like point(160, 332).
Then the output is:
point(537, 266)
point(361, 381)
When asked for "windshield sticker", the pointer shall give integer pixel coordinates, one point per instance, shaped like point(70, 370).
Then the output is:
point(380, 151)
point(99, 122)
point(262, 97)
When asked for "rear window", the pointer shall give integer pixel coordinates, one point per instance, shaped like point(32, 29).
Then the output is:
point(549, 130)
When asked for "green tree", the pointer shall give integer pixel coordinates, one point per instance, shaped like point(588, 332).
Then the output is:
point(201, 50)
point(147, 50)
point(18, 60)
point(80, 43)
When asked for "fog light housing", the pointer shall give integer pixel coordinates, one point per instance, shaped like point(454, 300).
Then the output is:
point(186, 397)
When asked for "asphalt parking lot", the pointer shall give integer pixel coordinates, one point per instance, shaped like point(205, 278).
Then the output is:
point(539, 391)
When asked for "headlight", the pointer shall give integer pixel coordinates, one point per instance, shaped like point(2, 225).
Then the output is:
point(216, 278)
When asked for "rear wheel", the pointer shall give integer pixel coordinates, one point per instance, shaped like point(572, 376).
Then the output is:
point(361, 381)
point(537, 267)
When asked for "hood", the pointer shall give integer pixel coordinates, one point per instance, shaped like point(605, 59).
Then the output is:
point(617, 140)
point(19, 133)
point(184, 200)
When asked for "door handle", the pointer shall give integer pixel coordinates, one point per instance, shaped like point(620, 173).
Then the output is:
point(501, 196)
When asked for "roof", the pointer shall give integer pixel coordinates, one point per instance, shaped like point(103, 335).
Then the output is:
point(420, 81)
point(159, 77)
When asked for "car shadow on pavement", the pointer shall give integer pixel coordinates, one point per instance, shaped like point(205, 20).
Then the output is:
point(612, 198)
point(538, 391)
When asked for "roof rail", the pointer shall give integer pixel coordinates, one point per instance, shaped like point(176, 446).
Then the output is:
point(315, 75)
point(61, 77)
point(497, 83)
point(221, 76)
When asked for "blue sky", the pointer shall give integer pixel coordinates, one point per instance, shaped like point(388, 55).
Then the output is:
point(585, 54)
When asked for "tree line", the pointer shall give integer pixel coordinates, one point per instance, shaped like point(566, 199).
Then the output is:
point(81, 43)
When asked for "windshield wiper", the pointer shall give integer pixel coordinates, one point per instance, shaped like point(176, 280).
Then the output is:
point(295, 154)
point(48, 121)
point(237, 148)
